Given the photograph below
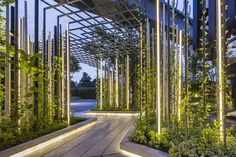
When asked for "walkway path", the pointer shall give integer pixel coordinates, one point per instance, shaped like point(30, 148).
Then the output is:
point(100, 140)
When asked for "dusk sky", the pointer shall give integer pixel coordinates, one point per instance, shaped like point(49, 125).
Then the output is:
point(51, 20)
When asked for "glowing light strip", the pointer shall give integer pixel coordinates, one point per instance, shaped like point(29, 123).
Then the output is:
point(112, 114)
point(101, 83)
point(68, 74)
point(129, 154)
point(52, 141)
point(219, 34)
point(158, 67)
point(180, 74)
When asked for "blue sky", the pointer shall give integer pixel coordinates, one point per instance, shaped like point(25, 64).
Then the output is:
point(51, 21)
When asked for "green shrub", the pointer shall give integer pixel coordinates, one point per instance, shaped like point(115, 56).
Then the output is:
point(11, 135)
point(203, 142)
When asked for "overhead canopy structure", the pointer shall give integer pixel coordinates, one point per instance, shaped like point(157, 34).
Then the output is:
point(104, 28)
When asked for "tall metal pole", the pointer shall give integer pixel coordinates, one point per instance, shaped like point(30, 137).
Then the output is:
point(109, 83)
point(26, 28)
point(68, 73)
point(153, 69)
point(36, 51)
point(8, 67)
point(186, 65)
point(101, 86)
point(141, 69)
point(158, 83)
point(168, 63)
point(49, 75)
point(164, 90)
point(16, 83)
point(44, 64)
point(63, 79)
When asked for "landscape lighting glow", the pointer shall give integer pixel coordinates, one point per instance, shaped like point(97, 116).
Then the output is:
point(52, 141)
point(180, 74)
point(129, 154)
point(112, 114)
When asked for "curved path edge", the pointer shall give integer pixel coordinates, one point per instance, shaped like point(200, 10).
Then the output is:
point(139, 149)
point(45, 140)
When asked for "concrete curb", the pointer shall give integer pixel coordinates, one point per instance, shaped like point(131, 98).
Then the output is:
point(119, 113)
point(27, 145)
point(139, 149)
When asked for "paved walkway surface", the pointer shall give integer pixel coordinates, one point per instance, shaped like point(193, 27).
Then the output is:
point(103, 139)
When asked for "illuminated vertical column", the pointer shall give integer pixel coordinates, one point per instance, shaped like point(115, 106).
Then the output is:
point(175, 68)
point(127, 82)
point(63, 78)
point(101, 90)
point(179, 74)
point(220, 66)
point(117, 84)
point(68, 73)
point(158, 91)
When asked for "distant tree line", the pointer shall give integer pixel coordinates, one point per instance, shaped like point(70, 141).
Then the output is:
point(85, 89)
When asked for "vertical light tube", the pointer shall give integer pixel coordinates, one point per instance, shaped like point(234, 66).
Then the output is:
point(117, 83)
point(63, 79)
point(68, 73)
point(180, 74)
point(101, 90)
point(220, 66)
point(158, 91)
point(127, 82)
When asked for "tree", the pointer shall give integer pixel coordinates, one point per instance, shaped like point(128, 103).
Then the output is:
point(85, 81)
point(74, 64)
